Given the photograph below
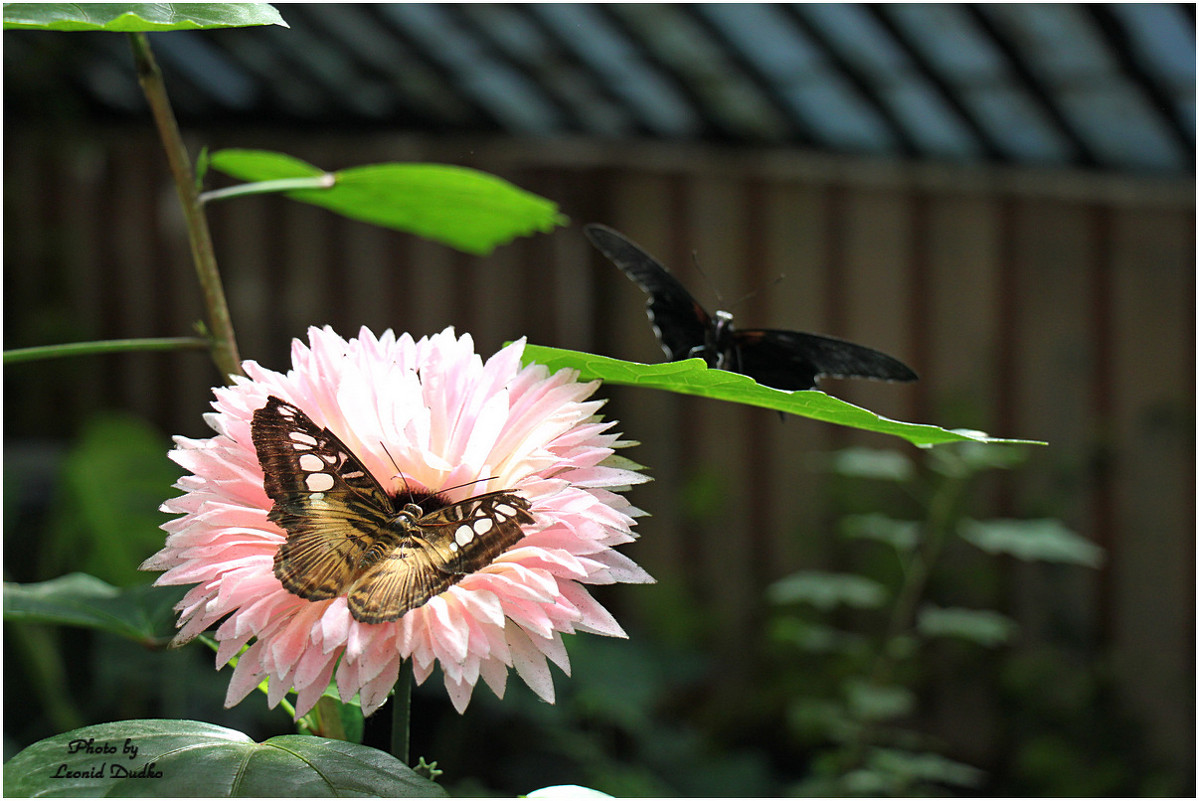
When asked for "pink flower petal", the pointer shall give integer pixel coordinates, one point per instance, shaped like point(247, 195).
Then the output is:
point(452, 420)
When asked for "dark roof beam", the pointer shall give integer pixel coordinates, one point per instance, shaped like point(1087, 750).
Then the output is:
point(417, 46)
point(489, 47)
point(569, 54)
point(801, 129)
point(947, 91)
point(1029, 82)
point(1121, 48)
point(667, 73)
point(857, 77)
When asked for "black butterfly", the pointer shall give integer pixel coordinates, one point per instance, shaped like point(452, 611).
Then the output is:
point(347, 536)
point(786, 360)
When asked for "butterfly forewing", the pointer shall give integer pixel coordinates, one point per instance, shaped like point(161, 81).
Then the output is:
point(679, 321)
point(787, 360)
point(346, 535)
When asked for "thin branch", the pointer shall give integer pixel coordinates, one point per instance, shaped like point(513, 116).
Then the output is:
point(224, 345)
point(19, 355)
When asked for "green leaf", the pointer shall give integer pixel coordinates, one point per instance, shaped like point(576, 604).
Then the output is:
point(828, 590)
point(144, 613)
point(108, 527)
point(129, 17)
point(815, 638)
point(869, 701)
point(968, 458)
point(177, 758)
point(982, 626)
point(875, 463)
point(1032, 540)
point(693, 377)
point(912, 766)
point(466, 209)
point(902, 535)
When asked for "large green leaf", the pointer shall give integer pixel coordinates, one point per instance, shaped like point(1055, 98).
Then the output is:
point(1032, 540)
point(176, 758)
point(693, 377)
point(129, 17)
point(466, 209)
point(144, 613)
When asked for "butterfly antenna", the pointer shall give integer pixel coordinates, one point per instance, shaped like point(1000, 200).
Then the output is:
point(753, 293)
point(467, 483)
point(707, 280)
point(394, 464)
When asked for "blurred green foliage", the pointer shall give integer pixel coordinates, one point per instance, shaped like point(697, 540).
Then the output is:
point(844, 692)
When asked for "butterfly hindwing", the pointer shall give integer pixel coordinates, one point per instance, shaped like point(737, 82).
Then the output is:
point(347, 535)
point(793, 359)
point(679, 321)
point(450, 543)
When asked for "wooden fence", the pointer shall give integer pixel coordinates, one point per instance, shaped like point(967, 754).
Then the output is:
point(1045, 305)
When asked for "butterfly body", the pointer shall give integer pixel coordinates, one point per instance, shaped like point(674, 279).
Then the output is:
point(387, 553)
point(788, 360)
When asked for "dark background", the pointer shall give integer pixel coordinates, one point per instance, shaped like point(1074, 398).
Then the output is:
point(1001, 196)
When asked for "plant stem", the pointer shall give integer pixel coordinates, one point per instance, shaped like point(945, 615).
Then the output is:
point(18, 355)
point(224, 345)
point(324, 181)
point(917, 571)
point(401, 712)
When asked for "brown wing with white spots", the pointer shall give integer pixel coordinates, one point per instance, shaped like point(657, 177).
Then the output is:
point(331, 507)
point(445, 546)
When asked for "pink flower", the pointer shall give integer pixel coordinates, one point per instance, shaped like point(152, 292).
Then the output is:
point(427, 416)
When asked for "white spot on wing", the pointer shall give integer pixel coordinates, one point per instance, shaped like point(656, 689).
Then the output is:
point(318, 482)
point(483, 525)
point(311, 463)
point(504, 510)
point(300, 438)
point(463, 534)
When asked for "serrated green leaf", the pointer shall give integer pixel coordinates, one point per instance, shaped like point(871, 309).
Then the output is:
point(1032, 540)
point(144, 613)
point(466, 209)
point(187, 758)
point(982, 626)
point(130, 17)
point(693, 377)
point(828, 590)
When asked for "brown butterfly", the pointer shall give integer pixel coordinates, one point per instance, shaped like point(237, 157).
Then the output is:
point(346, 535)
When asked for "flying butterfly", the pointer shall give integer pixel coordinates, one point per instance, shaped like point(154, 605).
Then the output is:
point(787, 360)
point(387, 553)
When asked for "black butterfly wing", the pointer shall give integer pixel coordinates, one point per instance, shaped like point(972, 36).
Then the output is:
point(793, 360)
point(678, 320)
point(444, 546)
point(331, 507)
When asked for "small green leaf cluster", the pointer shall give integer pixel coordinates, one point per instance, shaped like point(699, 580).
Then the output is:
point(860, 641)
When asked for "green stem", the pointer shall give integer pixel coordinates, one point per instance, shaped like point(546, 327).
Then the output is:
point(917, 571)
point(18, 355)
point(224, 345)
point(325, 181)
point(401, 712)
